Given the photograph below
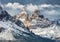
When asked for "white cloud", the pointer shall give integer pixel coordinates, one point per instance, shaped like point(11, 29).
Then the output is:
point(31, 7)
point(45, 5)
point(50, 9)
point(46, 9)
point(51, 12)
point(48, 5)
point(14, 5)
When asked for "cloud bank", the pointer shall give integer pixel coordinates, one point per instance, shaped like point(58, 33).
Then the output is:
point(14, 5)
point(45, 9)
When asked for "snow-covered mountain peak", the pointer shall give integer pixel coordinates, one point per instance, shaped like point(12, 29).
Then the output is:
point(13, 29)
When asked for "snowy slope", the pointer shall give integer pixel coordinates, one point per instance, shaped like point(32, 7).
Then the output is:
point(45, 28)
point(40, 22)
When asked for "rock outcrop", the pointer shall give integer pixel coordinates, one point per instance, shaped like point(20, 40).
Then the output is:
point(26, 19)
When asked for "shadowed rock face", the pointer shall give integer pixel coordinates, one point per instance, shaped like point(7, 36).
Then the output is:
point(0, 9)
point(2, 29)
point(4, 15)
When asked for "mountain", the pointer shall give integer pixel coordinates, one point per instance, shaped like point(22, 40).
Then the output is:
point(35, 18)
point(39, 25)
point(45, 28)
point(14, 30)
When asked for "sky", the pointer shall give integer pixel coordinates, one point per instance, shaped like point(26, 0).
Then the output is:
point(49, 8)
point(32, 1)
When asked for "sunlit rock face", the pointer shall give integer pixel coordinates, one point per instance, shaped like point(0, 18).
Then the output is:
point(26, 19)
point(23, 16)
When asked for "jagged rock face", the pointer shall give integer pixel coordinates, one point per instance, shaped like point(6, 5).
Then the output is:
point(26, 19)
point(36, 14)
point(23, 17)
point(41, 23)
point(4, 15)
point(34, 21)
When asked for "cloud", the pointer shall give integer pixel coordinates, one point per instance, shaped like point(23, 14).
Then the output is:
point(48, 5)
point(52, 12)
point(45, 9)
point(45, 5)
point(14, 5)
point(31, 7)
point(49, 9)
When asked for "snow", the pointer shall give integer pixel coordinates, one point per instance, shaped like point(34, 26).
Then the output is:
point(9, 26)
point(45, 28)
point(49, 32)
point(7, 33)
